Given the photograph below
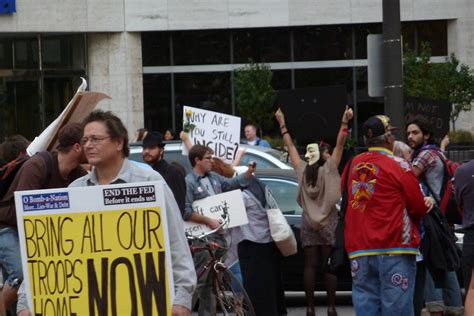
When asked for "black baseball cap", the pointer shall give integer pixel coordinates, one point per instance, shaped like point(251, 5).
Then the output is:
point(153, 139)
point(377, 125)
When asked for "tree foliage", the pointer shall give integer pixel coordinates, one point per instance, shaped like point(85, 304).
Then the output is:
point(254, 94)
point(449, 81)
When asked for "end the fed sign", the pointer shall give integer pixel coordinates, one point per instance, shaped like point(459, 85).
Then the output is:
point(96, 250)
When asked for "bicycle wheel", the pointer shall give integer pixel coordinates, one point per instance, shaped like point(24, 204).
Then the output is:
point(231, 296)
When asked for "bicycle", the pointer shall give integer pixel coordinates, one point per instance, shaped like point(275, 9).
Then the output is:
point(231, 297)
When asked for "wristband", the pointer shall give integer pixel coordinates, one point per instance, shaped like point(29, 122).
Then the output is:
point(285, 132)
point(345, 132)
point(344, 122)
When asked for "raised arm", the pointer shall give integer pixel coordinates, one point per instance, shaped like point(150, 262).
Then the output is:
point(341, 136)
point(294, 156)
point(186, 140)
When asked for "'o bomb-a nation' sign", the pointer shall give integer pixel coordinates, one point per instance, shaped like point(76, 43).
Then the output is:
point(218, 131)
point(96, 250)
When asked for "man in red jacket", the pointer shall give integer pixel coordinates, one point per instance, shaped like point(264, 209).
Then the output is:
point(385, 205)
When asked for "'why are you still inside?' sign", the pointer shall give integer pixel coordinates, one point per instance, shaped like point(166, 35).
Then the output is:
point(218, 131)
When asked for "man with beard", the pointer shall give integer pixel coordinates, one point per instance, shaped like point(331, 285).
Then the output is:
point(44, 170)
point(153, 153)
point(428, 166)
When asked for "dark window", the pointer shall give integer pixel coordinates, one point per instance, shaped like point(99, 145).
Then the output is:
point(409, 35)
point(322, 43)
point(63, 51)
point(210, 91)
point(157, 102)
point(305, 78)
point(26, 52)
point(281, 79)
point(201, 47)
point(436, 34)
point(156, 49)
point(261, 45)
point(361, 32)
point(285, 193)
point(6, 57)
point(58, 91)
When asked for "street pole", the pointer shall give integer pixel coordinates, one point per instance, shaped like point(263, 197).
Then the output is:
point(392, 52)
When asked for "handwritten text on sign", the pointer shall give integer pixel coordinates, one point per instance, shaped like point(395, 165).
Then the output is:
point(98, 262)
point(220, 132)
point(215, 206)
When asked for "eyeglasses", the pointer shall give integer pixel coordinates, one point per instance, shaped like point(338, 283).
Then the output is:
point(207, 157)
point(94, 140)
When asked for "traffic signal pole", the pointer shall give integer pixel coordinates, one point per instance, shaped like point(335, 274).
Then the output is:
point(392, 54)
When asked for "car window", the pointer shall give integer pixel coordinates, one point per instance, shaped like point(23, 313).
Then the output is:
point(285, 195)
point(262, 163)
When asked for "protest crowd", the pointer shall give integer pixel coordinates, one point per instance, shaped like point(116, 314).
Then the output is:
point(392, 225)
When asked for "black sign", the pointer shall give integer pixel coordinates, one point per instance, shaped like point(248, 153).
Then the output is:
point(437, 112)
point(313, 114)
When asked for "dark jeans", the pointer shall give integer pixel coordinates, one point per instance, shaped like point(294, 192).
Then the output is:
point(468, 257)
point(419, 296)
point(260, 266)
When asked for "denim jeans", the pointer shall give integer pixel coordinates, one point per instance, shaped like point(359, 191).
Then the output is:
point(447, 299)
point(10, 257)
point(383, 285)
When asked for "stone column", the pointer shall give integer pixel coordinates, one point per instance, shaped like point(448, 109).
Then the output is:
point(115, 68)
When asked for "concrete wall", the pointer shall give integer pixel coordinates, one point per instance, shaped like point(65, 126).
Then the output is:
point(115, 58)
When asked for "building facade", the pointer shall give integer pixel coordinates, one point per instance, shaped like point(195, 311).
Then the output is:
point(153, 56)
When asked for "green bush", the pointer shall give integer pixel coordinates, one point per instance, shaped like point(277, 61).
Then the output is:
point(460, 137)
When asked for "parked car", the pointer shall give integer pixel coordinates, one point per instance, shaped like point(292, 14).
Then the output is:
point(265, 157)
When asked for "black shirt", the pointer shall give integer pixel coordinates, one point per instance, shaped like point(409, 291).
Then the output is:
point(175, 180)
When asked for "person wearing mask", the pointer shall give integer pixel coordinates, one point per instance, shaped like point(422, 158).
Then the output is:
point(319, 190)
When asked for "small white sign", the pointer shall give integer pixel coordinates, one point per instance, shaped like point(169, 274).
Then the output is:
point(215, 206)
point(218, 131)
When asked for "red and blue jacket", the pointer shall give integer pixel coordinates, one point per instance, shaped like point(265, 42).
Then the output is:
point(385, 205)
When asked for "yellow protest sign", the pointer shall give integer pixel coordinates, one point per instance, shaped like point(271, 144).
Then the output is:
point(108, 257)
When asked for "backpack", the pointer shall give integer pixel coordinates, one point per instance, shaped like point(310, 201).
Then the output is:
point(8, 173)
point(447, 203)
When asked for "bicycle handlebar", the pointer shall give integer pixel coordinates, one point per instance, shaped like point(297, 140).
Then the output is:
point(225, 222)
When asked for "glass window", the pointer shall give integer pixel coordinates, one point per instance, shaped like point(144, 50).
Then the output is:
point(28, 113)
point(6, 60)
point(305, 78)
point(210, 91)
point(285, 193)
point(261, 45)
point(157, 102)
point(361, 32)
point(435, 33)
point(281, 79)
point(26, 52)
point(409, 35)
point(201, 47)
point(156, 49)
point(57, 93)
point(322, 43)
point(63, 51)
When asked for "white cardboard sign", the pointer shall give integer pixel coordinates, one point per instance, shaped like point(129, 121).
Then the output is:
point(218, 131)
point(215, 206)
